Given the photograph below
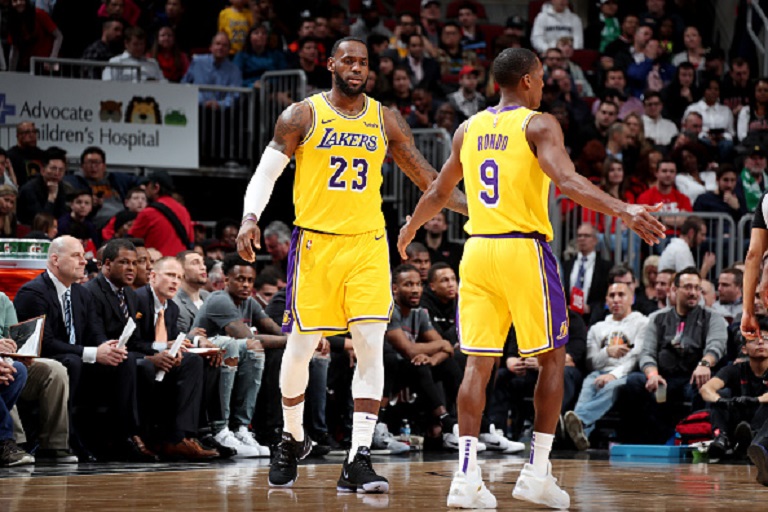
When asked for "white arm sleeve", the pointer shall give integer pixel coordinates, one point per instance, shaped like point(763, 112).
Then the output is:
point(271, 166)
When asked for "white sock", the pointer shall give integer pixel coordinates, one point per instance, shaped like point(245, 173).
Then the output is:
point(541, 445)
point(363, 425)
point(293, 418)
point(468, 455)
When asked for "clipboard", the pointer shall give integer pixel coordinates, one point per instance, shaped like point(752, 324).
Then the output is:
point(28, 336)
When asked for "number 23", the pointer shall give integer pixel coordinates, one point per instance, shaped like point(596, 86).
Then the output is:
point(358, 164)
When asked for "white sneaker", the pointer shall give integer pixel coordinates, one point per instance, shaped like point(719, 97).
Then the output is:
point(495, 440)
point(384, 443)
point(469, 491)
point(245, 437)
point(540, 490)
point(451, 440)
point(228, 439)
point(575, 429)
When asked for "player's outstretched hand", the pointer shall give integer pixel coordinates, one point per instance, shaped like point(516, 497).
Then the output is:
point(407, 233)
point(639, 219)
point(248, 238)
point(750, 329)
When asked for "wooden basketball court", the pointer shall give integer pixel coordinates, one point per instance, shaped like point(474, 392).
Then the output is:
point(416, 483)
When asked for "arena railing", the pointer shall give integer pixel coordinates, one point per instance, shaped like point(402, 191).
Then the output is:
point(278, 90)
point(743, 232)
point(227, 134)
point(78, 68)
point(760, 45)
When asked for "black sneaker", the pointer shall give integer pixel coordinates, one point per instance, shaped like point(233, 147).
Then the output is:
point(719, 447)
point(283, 470)
point(209, 442)
point(11, 455)
point(759, 457)
point(743, 436)
point(359, 476)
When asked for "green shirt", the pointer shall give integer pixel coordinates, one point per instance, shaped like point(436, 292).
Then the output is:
point(7, 315)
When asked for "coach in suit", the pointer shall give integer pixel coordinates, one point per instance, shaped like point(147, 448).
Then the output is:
point(98, 370)
point(183, 384)
point(587, 272)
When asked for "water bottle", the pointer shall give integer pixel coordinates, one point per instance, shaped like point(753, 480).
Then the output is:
point(405, 432)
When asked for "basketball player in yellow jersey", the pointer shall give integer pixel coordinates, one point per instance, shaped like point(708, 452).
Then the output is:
point(507, 156)
point(338, 266)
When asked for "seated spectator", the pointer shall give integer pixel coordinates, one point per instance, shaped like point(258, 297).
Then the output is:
point(450, 52)
point(26, 156)
point(616, 80)
point(724, 200)
point(694, 53)
point(729, 289)
point(418, 358)
point(111, 42)
point(135, 54)
point(472, 38)
point(622, 43)
point(605, 116)
point(7, 211)
point(109, 189)
point(165, 223)
point(439, 299)
point(718, 129)
point(175, 15)
point(126, 10)
point(681, 93)
point(567, 93)
point(369, 22)
point(215, 68)
point(47, 389)
point(678, 254)
point(661, 131)
point(45, 193)
point(235, 21)
point(583, 87)
point(649, 275)
point(517, 376)
point(418, 257)
point(32, 33)
point(693, 178)
point(616, 141)
point(401, 91)
point(307, 29)
point(74, 336)
point(605, 29)
point(277, 242)
point(586, 275)
point(736, 410)
point(44, 226)
point(7, 176)
point(652, 72)
point(613, 347)
point(265, 287)
point(318, 77)
point(614, 181)
point(736, 91)
point(447, 118)
point(636, 51)
point(135, 201)
point(431, 21)
point(553, 22)
point(255, 59)
point(752, 120)
point(436, 241)
point(658, 12)
point(424, 109)
point(665, 192)
point(753, 179)
point(234, 321)
point(680, 345)
point(407, 25)
point(663, 285)
point(172, 61)
point(423, 70)
point(13, 377)
point(81, 204)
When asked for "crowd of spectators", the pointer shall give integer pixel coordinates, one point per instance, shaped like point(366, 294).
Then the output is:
point(651, 110)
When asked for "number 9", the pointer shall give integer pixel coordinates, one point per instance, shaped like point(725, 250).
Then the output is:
point(489, 175)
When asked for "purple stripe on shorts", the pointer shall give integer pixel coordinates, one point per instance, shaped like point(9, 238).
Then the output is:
point(292, 268)
point(514, 234)
point(556, 299)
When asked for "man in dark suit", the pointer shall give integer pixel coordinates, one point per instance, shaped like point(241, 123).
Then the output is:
point(183, 383)
point(423, 70)
point(44, 193)
point(586, 276)
point(99, 371)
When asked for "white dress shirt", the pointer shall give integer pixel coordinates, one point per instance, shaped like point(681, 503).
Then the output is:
point(661, 130)
point(716, 116)
point(590, 269)
point(89, 353)
point(676, 256)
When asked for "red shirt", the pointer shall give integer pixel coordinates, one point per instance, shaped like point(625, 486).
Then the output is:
point(675, 201)
point(38, 43)
point(157, 231)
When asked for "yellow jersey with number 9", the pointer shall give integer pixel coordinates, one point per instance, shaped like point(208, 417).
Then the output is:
point(337, 188)
point(506, 189)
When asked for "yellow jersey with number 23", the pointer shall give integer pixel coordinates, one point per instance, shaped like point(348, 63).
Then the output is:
point(338, 181)
point(506, 189)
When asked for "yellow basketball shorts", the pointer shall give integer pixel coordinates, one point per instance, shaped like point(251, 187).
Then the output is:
point(510, 279)
point(336, 280)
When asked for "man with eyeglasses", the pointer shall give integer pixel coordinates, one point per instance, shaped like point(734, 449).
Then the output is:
point(661, 130)
point(586, 275)
point(681, 344)
point(26, 157)
point(43, 193)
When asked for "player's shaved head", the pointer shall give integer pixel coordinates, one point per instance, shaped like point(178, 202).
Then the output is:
point(512, 65)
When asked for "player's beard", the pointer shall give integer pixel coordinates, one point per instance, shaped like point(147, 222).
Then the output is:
point(345, 88)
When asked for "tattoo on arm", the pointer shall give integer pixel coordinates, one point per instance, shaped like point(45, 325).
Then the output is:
point(291, 127)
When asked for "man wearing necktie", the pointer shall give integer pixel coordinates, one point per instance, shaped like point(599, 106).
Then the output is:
point(99, 372)
point(182, 385)
point(586, 275)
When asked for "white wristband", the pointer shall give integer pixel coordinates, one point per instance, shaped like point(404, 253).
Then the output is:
point(271, 166)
